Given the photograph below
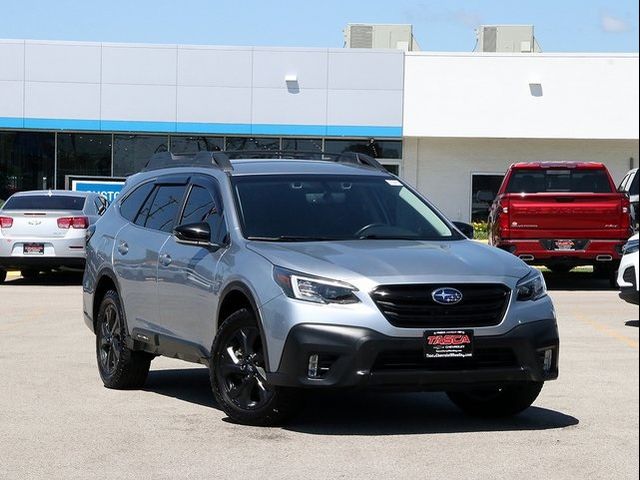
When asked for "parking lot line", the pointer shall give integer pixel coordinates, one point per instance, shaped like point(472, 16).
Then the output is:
point(602, 328)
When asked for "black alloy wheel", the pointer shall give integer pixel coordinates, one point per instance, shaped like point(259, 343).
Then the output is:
point(238, 375)
point(110, 340)
point(241, 370)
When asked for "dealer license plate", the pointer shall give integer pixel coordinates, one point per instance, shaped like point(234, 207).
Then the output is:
point(448, 344)
point(565, 245)
point(33, 248)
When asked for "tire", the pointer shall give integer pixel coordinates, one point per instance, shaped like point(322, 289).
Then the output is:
point(238, 380)
point(3, 275)
point(119, 367)
point(560, 268)
point(30, 273)
point(497, 402)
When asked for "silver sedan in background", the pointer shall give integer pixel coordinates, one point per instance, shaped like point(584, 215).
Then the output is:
point(43, 230)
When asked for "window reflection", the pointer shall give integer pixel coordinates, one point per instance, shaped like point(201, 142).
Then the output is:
point(26, 162)
point(372, 147)
point(83, 154)
point(253, 143)
point(194, 144)
point(132, 152)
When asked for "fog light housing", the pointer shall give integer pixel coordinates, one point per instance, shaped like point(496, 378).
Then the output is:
point(320, 364)
point(312, 369)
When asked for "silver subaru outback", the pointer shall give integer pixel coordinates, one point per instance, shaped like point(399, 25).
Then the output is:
point(286, 275)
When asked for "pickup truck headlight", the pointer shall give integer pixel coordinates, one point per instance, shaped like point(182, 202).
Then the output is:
point(630, 247)
point(314, 289)
point(531, 287)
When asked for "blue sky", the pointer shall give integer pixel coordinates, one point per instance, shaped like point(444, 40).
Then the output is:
point(445, 25)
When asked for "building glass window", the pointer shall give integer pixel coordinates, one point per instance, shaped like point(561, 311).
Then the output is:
point(484, 188)
point(395, 169)
point(26, 162)
point(193, 144)
point(253, 143)
point(83, 154)
point(302, 144)
point(372, 147)
point(132, 152)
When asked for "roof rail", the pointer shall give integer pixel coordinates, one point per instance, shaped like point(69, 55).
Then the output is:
point(200, 159)
point(355, 158)
point(222, 159)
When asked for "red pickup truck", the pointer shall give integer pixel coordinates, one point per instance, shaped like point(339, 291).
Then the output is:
point(561, 215)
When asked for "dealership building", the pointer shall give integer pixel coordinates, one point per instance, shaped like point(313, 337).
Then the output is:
point(448, 123)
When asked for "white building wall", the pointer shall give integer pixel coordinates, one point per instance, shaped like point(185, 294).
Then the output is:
point(478, 95)
point(441, 168)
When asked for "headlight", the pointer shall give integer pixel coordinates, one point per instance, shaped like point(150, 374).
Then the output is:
point(313, 289)
point(630, 247)
point(531, 287)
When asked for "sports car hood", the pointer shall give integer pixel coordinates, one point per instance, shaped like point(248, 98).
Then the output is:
point(384, 261)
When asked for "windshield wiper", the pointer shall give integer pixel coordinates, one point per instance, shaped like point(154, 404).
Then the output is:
point(293, 238)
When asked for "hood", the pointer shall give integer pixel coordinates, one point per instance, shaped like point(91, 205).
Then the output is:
point(384, 261)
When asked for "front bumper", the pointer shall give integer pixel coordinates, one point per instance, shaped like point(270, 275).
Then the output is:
point(360, 357)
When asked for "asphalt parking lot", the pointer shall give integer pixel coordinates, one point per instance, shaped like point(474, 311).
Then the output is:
point(58, 421)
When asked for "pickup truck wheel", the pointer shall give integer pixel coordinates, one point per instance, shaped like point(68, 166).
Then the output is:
point(119, 367)
point(238, 379)
point(497, 402)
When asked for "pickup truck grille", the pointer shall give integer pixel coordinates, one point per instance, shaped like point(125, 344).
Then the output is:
point(411, 306)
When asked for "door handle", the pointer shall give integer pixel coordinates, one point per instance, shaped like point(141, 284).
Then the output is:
point(165, 259)
point(123, 248)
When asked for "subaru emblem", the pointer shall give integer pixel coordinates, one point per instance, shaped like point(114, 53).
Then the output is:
point(446, 296)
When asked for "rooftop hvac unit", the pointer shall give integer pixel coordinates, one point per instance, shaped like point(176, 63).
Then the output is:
point(364, 35)
point(506, 39)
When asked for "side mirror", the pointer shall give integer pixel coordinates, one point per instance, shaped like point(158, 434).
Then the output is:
point(465, 228)
point(194, 234)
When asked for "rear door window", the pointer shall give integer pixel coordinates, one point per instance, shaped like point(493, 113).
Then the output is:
point(161, 213)
point(130, 206)
point(45, 202)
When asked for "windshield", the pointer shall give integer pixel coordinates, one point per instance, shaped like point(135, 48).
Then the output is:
point(325, 207)
point(44, 202)
point(559, 180)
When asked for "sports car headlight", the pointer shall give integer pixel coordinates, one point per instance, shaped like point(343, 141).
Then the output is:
point(313, 289)
point(531, 287)
point(630, 247)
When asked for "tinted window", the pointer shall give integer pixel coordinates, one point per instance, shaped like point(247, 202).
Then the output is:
point(132, 152)
point(193, 144)
point(130, 206)
point(302, 144)
point(252, 143)
point(83, 154)
point(26, 162)
point(374, 148)
point(201, 207)
point(556, 180)
point(44, 202)
point(163, 210)
point(312, 207)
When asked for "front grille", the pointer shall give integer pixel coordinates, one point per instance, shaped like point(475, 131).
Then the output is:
point(411, 306)
point(485, 358)
point(629, 276)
